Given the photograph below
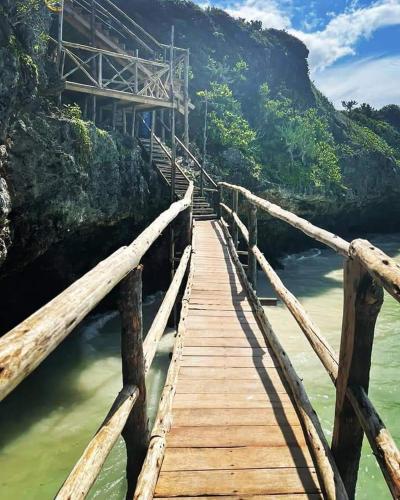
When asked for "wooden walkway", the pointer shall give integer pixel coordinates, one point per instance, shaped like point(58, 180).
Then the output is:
point(235, 430)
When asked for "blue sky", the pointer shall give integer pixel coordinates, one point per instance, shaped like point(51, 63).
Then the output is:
point(354, 44)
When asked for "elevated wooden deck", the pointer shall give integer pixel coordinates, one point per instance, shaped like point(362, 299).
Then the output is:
point(235, 430)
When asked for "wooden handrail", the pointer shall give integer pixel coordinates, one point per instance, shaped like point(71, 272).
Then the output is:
point(86, 470)
point(28, 344)
point(160, 143)
point(331, 240)
point(206, 174)
point(382, 268)
point(386, 271)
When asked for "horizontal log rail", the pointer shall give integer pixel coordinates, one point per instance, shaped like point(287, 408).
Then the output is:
point(28, 344)
point(331, 240)
point(386, 272)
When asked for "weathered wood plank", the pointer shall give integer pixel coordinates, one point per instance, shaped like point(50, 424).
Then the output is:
point(233, 387)
point(192, 341)
point(226, 401)
point(177, 459)
point(187, 373)
point(192, 417)
point(232, 361)
point(253, 481)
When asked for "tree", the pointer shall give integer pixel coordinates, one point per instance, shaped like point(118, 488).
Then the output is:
point(349, 105)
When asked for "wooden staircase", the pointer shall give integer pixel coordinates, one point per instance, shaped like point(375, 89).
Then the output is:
point(202, 209)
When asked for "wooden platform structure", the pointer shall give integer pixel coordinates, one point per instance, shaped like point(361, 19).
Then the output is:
point(235, 430)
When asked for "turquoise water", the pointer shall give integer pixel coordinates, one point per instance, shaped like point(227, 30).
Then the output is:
point(47, 422)
point(315, 277)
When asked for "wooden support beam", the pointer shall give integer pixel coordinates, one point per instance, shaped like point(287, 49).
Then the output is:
point(135, 432)
point(186, 100)
point(124, 126)
point(114, 115)
point(235, 209)
point(363, 299)
point(88, 467)
point(133, 130)
point(252, 261)
point(153, 124)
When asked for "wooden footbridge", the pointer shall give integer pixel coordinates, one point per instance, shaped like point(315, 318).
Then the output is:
point(234, 420)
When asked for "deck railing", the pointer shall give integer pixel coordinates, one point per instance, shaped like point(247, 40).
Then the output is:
point(28, 344)
point(366, 270)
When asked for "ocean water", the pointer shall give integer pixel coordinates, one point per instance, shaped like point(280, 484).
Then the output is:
point(49, 419)
point(47, 422)
point(316, 278)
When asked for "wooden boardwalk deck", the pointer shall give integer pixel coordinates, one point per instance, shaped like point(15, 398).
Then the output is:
point(235, 429)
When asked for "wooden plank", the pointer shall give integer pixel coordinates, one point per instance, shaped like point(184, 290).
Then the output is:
point(229, 362)
point(188, 373)
point(230, 333)
point(294, 496)
point(226, 401)
point(230, 386)
point(192, 417)
point(235, 435)
point(180, 459)
point(226, 351)
point(192, 341)
point(222, 482)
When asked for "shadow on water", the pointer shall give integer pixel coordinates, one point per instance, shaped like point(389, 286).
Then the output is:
point(295, 448)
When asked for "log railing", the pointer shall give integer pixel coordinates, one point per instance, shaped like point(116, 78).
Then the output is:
point(28, 344)
point(367, 269)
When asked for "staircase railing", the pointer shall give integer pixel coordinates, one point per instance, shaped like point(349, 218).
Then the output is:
point(367, 269)
point(27, 345)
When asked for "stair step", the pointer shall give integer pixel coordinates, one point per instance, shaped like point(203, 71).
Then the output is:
point(205, 217)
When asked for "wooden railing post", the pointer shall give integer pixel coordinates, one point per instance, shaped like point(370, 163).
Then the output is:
point(135, 433)
point(252, 261)
point(363, 299)
point(220, 200)
point(235, 229)
point(153, 124)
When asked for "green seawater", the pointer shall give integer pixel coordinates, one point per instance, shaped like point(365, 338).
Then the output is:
point(47, 422)
point(50, 418)
point(316, 278)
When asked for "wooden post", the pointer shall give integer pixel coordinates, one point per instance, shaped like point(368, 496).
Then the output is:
point(162, 126)
point(252, 261)
point(100, 70)
point(203, 164)
point(363, 299)
point(93, 44)
point(135, 432)
point(153, 124)
point(220, 200)
point(186, 100)
point(114, 115)
point(172, 111)
point(124, 120)
point(133, 121)
point(235, 229)
point(136, 73)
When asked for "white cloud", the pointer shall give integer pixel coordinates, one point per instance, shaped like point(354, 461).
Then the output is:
point(269, 12)
point(341, 34)
point(338, 38)
point(372, 80)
